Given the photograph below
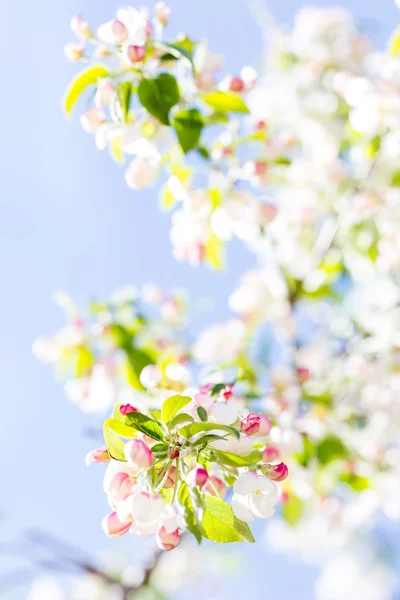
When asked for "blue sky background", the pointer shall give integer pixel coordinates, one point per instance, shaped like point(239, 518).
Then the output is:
point(69, 222)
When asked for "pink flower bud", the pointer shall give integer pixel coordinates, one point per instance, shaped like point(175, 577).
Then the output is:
point(73, 52)
point(256, 424)
point(250, 425)
point(113, 527)
point(168, 541)
point(173, 453)
point(236, 84)
point(171, 478)
point(98, 455)
point(268, 212)
point(105, 93)
point(302, 374)
point(215, 487)
point(271, 453)
point(138, 454)
point(133, 54)
point(119, 488)
point(92, 119)
point(277, 472)
point(200, 476)
point(124, 409)
point(119, 31)
point(80, 27)
point(162, 12)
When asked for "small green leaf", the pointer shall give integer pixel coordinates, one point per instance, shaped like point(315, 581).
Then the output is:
point(206, 439)
point(292, 509)
point(223, 102)
point(179, 419)
point(172, 405)
point(137, 360)
point(214, 252)
point(357, 482)
point(160, 448)
point(220, 525)
point(218, 387)
point(124, 93)
point(159, 95)
point(202, 413)
point(111, 430)
point(331, 448)
point(116, 150)
point(188, 125)
point(189, 513)
point(145, 425)
point(194, 428)
point(232, 460)
point(84, 79)
point(216, 118)
point(176, 51)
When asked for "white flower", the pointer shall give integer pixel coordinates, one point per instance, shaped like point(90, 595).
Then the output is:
point(146, 512)
point(254, 497)
point(220, 343)
point(141, 172)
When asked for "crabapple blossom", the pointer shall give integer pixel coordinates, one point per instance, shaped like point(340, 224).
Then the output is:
point(166, 540)
point(113, 527)
point(254, 497)
point(276, 472)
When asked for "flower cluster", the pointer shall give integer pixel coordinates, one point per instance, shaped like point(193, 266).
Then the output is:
point(180, 461)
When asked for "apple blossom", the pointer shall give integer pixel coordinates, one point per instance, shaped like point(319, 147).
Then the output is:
point(124, 409)
point(254, 497)
point(276, 472)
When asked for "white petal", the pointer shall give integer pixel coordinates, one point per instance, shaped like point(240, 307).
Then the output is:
point(241, 509)
point(246, 484)
point(225, 413)
point(261, 505)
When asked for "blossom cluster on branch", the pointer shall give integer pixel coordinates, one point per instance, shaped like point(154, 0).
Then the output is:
point(300, 163)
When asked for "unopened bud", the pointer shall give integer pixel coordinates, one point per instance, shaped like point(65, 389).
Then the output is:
point(113, 527)
point(73, 52)
point(98, 455)
point(215, 487)
point(236, 84)
point(276, 472)
point(133, 54)
point(270, 454)
point(138, 454)
point(168, 541)
point(171, 478)
point(124, 409)
point(162, 12)
point(80, 27)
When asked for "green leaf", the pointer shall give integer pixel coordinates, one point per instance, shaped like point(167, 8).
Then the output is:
point(216, 118)
point(209, 437)
point(188, 125)
point(176, 51)
point(179, 419)
point(357, 482)
point(124, 93)
point(202, 413)
point(114, 444)
point(331, 448)
point(195, 428)
point(145, 425)
point(189, 512)
point(172, 406)
point(218, 387)
point(84, 79)
point(214, 252)
point(220, 525)
point(394, 43)
point(159, 95)
point(224, 102)
point(292, 509)
point(137, 360)
point(232, 460)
